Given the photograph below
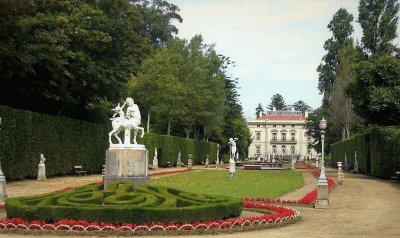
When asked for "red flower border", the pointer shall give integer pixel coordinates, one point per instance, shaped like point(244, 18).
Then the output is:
point(308, 199)
point(280, 214)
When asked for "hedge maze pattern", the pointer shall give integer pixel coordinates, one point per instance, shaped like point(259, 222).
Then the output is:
point(123, 203)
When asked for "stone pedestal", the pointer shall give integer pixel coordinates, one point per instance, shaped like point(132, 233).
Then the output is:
point(155, 163)
point(232, 168)
point(190, 163)
point(42, 172)
point(127, 164)
point(322, 201)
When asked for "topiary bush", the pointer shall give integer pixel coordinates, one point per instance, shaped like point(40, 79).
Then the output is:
point(122, 203)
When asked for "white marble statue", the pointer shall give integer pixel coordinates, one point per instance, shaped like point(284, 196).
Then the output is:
point(179, 161)
point(42, 159)
point(232, 143)
point(155, 159)
point(126, 121)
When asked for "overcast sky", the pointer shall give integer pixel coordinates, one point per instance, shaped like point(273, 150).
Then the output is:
point(277, 44)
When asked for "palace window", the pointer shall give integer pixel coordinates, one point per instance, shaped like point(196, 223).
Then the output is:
point(293, 135)
point(273, 125)
point(283, 136)
point(258, 136)
point(274, 149)
point(283, 125)
point(274, 136)
point(283, 149)
point(258, 125)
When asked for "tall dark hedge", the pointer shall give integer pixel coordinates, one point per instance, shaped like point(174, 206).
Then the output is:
point(168, 148)
point(65, 142)
point(378, 151)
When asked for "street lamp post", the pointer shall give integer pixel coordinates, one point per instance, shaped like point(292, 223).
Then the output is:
point(322, 178)
point(322, 184)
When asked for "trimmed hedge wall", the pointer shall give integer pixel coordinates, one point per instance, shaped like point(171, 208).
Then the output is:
point(168, 148)
point(66, 142)
point(121, 203)
point(378, 151)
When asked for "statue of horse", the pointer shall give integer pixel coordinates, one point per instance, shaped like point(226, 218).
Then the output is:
point(121, 123)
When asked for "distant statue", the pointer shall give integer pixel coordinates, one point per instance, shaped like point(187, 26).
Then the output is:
point(42, 159)
point(232, 143)
point(155, 153)
point(356, 169)
point(130, 120)
point(179, 161)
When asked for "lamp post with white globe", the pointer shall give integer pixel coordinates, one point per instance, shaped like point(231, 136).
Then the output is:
point(322, 178)
point(322, 184)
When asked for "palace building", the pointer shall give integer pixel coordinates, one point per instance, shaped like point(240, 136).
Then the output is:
point(279, 132)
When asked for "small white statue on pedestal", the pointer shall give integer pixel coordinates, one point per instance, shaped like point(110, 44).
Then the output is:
point(232, 163)
point(42, 168)
point(155, 160)
point(179, 161)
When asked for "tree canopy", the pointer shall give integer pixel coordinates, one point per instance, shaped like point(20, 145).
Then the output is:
point(378, 20)
point(277, 102)
point(67, 57)
point(376, 91)
point(341, 29)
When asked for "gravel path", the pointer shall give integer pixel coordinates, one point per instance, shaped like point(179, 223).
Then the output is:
point(361, 207)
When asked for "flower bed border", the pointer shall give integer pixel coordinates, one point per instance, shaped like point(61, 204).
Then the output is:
point(308, 200)
point(281, 216)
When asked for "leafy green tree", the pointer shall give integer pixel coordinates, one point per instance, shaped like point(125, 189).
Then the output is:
point(376, 91)
point(180, 85)
point(259, 110)
point(378, 19)
point(278, 102)
point(341, 111)
point(301, 106)
point(341, 28)
point(69, 57)
point(312, 125)
point(157, 17)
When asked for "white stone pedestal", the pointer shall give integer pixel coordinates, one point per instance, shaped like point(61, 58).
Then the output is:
point(155, 163)
point(42, 172)
point(322, 201)
point(127, 164)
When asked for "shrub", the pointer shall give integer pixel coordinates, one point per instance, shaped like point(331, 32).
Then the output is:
point(145, 204)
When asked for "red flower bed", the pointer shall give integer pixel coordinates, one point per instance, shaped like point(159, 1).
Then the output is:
point(308, 199)
point(280, 214)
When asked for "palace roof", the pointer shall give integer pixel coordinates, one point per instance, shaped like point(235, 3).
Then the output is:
point(282, 118)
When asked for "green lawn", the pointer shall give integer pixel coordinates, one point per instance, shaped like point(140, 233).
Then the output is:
point(267, 184)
